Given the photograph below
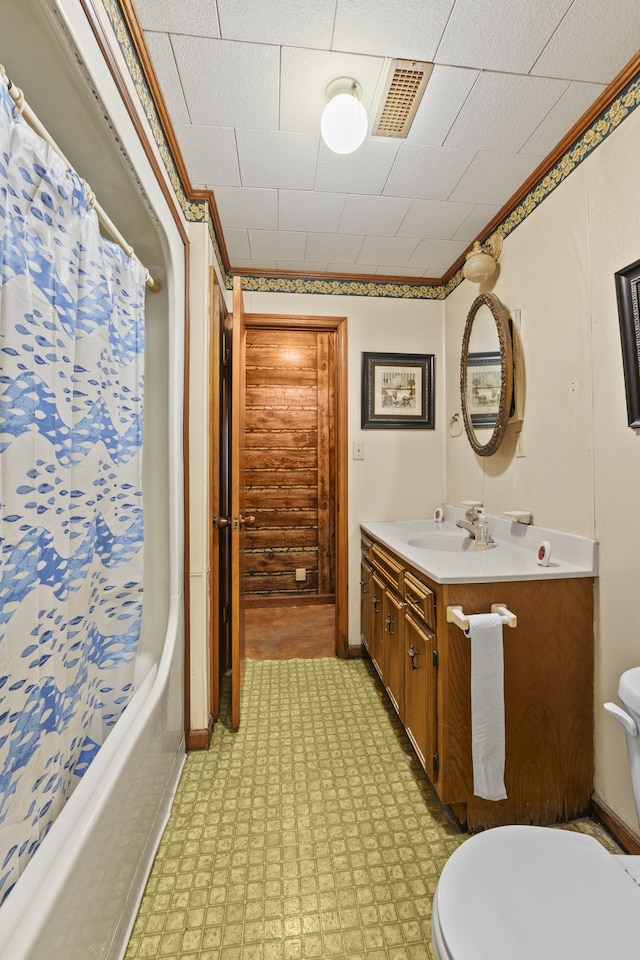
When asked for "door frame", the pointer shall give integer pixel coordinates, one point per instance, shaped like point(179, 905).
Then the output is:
point(338, 325)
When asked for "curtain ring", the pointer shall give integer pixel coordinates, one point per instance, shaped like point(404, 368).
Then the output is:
point(17, 96)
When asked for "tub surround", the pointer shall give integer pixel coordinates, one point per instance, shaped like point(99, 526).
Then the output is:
point(512, 556)
point(424, 660)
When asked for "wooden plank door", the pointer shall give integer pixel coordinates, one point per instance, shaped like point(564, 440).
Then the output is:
point(238, 520)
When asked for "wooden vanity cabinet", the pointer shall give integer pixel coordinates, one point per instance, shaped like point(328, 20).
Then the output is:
point(395, 643)
point(420, 692)
point(425, 664)
point(365, 595)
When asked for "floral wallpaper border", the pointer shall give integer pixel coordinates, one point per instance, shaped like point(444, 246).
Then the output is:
point(198, 210)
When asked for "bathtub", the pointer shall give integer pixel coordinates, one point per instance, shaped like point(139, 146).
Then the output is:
point(78, 897)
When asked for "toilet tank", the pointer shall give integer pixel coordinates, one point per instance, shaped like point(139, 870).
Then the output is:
point(629, 693)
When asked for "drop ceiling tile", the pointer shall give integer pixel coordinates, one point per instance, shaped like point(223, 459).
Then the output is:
point(435, 256)
point(305, 210)
point(426, 173)
point(302, 266)
point(379, 215)
point(305, 77)
point(567, 111)
point(295, 23)
point(365, 171)
point(475, 223)
point(333, 247)
point(166, 71)
point(210, 154)
point(387, 251)
point(447, 89)
point(281, 244)
point(237, 243)
point(487, 120)
point(179, 16)
point(228, 83)
point(506, 35)
point(385, 29)
point(494, 177)
point(349, 268)
point(270, 158)
point(246, 207)
point(434, 219)
point(252, 265)
point(594, 42)
point(399, 271)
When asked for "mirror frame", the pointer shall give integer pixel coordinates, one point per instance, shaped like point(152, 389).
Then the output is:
point(501, 316)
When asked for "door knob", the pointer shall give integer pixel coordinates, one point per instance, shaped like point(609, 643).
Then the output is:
point(247, 521)
point(220, 522)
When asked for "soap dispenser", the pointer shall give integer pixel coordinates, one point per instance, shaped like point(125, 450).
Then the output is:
point(481, 532)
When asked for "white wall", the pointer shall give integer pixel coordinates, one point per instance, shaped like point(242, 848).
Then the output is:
point(401, 475)
point(582, 463)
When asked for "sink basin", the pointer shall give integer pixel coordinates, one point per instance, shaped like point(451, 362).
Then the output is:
point(445, 541)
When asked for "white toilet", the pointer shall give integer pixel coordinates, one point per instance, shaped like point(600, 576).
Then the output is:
point(528, 893)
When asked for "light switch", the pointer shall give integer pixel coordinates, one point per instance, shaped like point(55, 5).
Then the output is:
point(358, 451)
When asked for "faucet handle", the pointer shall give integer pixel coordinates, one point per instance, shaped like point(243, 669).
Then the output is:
point(474, 509)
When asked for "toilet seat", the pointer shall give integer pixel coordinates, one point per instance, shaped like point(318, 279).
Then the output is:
point(533, 892)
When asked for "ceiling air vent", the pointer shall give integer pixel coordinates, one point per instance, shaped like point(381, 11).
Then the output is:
point(405, 84)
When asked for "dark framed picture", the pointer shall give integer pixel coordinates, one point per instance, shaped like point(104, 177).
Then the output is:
point(627, 293)
point(484, 385)
point(397, 391)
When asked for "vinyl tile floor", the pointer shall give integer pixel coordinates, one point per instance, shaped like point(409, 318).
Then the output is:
point(311, 832)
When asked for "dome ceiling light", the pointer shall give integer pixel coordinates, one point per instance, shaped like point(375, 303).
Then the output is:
point(344, 120)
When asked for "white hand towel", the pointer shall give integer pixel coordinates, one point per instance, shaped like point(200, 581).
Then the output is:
point(487, 706)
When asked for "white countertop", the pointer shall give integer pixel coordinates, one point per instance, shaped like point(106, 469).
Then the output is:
point(511, 557)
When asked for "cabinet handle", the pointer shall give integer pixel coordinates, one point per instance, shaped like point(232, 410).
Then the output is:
point(390, 621)
point(412, 599)
point(413, 653)
point(376, 604)
point(363, 584)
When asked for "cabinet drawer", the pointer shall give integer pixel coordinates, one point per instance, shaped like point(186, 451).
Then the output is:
point(420, 599)
point(365, 546)
point(387, 565)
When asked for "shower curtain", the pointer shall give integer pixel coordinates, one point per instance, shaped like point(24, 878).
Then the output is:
point(71, 519)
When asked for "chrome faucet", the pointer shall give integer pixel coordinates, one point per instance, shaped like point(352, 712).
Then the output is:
point(472, 514)
point(468, 526)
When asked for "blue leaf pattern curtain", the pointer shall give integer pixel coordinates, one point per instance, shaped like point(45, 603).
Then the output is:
point(71, 518)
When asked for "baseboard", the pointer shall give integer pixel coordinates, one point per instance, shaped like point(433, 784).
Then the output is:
point(621, 833)
point(290, 600)
point(199, 739)
point(356, 650)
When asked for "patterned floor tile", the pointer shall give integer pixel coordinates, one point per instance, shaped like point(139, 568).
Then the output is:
point(312, 831)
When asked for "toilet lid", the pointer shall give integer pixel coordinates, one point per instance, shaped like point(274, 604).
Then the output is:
point(629, 688)
point(536, 892)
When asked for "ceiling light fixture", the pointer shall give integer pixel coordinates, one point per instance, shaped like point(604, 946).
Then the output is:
point(344, 120)
point(481, 261)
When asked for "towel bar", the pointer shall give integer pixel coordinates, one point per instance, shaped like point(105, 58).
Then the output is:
point(455, 614)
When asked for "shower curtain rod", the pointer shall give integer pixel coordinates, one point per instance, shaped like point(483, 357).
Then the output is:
point(105, 222)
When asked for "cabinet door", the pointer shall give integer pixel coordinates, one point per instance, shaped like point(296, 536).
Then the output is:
point(377, 634)
point(365, 605)
point(394, 640)
point(420, 693)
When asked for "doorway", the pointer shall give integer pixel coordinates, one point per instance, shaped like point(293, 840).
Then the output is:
point(295, 484)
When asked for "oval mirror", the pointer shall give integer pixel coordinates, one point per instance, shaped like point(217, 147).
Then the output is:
point(486, 374)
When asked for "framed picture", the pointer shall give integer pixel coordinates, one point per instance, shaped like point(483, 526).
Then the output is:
point(627, 293)
point(397, 391)
point(484, 384)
